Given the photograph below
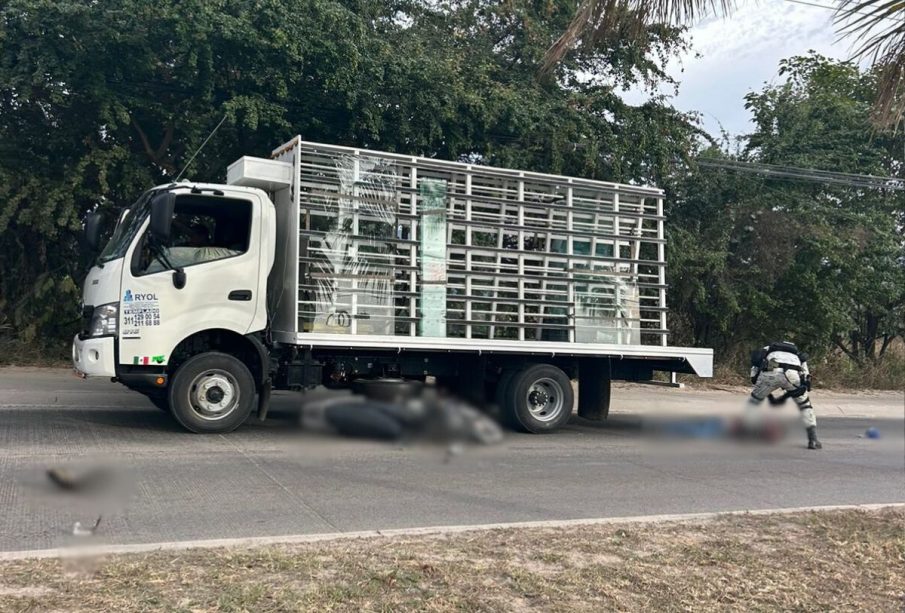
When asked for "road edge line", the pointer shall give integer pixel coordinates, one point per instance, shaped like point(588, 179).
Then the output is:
point(293, 539)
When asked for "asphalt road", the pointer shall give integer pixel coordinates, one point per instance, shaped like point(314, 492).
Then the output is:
point(275, 479)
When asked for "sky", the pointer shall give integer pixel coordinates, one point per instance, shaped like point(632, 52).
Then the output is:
point(741, 53)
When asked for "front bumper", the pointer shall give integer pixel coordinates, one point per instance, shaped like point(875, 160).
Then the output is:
point(93, 357)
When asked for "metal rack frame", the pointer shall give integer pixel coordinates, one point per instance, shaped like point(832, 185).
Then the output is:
point(530, 256)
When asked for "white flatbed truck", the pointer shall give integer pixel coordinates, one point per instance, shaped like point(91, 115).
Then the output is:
point(338, 266)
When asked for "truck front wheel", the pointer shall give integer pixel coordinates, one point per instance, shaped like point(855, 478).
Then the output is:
point(212, 393)
point(538, 399)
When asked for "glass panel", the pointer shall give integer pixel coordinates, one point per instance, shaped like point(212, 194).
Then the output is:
point(399, 246)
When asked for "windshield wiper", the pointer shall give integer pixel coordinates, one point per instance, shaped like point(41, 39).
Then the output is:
point(159, 255)
point(178, 271)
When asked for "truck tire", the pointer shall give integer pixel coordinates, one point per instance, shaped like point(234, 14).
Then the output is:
point(538, 399)
point(387, 390)
point(212, 393)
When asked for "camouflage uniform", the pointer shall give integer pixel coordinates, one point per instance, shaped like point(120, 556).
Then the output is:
point(783, 366)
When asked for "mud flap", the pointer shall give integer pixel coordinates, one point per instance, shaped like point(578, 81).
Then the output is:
point(594, 378)
point(264, 399)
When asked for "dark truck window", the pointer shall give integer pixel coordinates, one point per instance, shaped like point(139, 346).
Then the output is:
point(129, 223)
point(205, 229)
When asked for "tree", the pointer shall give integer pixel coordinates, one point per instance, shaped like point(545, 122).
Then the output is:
point(878, 25)
point(100, 102)
point(764, 257)
point(708, 294)
point(853, 253)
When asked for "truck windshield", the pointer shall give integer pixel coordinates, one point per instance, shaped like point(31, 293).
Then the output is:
point(126, 229)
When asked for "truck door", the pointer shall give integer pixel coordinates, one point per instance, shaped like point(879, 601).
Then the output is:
point(216, 241)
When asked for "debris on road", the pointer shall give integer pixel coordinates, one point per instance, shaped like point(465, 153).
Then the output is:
point(427, 416)
point(79, 530)
point(93, 479)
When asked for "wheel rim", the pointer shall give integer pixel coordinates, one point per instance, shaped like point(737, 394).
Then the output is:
point(545, 399)
point(213, 394)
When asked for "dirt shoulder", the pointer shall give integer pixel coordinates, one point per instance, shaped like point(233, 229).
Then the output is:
point(723, 400)
point(829, 560)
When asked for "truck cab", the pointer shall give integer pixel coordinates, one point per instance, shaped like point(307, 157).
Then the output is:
point(187, 264)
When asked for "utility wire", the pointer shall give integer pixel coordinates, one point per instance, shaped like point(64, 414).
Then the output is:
point(807, 174)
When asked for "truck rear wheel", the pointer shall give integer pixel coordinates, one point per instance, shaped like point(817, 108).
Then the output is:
point(538, 399)
point(212, 393)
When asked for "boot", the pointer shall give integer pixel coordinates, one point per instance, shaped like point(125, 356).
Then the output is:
point(813, 443)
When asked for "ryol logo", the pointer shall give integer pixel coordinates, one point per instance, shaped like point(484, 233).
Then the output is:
point(129, 297)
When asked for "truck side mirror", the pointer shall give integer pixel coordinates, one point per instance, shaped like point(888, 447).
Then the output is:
point(93, 224)
point(162, 208)
point(179, 278)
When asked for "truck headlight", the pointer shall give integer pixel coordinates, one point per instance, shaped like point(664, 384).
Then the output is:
point(104, 320)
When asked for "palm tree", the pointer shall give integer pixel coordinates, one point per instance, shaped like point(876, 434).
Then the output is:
point(877, 26)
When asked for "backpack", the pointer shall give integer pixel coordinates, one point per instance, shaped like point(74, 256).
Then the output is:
point(758, 357)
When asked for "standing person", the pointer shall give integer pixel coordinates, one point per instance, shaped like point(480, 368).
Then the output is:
point(782, 366)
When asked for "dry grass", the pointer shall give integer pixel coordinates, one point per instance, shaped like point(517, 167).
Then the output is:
point(834, 371)
point(844, 561)
point(16, 353)
point(888, 373)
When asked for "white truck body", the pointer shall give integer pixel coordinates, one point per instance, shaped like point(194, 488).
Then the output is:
point(154, 316)
point(325, 254)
